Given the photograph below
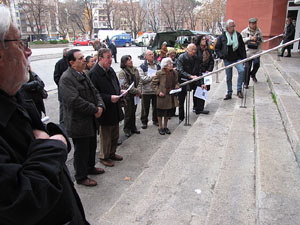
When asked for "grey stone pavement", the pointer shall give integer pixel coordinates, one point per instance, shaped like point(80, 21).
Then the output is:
point(233, 166)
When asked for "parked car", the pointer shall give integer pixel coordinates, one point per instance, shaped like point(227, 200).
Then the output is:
point(122, 40)
point(144, 39)
point(82, 42)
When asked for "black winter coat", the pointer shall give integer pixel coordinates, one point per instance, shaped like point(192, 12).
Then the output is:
point(221, 47)
point(60, 67)
point(209, 66)
point(113, 49)
point(80, 103)
point(187, 66)
point(33, 89)
point(107, 84)
point(289, 33)
point(35, 186)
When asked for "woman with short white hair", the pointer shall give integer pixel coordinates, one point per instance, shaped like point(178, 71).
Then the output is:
point(165, 80)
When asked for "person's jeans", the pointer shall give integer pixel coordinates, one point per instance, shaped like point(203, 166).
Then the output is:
point(240, 69)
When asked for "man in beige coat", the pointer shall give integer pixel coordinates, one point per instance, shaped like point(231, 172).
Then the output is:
point(252, 37)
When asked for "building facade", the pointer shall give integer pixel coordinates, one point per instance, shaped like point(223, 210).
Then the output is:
point(271, 15)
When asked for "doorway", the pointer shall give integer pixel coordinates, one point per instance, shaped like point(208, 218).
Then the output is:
point(293, 11)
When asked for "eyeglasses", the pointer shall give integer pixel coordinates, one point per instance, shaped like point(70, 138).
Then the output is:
point(23, 42)
point(81, 57)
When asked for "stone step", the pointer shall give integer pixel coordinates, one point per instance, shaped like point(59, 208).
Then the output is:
point(277, 172)
point(289, 68)
point(193, 167)
point(288, 103)
point(144, 156)
point(233, 199)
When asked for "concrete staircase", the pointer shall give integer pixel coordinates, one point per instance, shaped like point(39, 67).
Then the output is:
point(233, 166)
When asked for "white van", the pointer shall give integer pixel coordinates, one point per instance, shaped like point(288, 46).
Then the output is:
point(144, 39)
point(103, 34)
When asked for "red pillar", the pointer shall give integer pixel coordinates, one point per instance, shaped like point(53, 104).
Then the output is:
point(271, 16)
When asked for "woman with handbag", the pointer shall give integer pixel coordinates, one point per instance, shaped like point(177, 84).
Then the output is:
point(252, 37)
point(128, 75)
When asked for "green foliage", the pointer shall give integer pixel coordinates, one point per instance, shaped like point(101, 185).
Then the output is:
point(63, 42)
point(254, 117)
point(38, 42)
point(53, 42)
point(274, 98)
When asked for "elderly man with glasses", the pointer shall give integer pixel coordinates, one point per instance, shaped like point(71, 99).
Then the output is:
point(35, 187)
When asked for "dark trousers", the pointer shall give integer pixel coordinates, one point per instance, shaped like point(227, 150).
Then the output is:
point(251, 73)
point(115, 57)
point(198, 103)
point(109, 136)
point(181, 99)
point(129, 109)
point(84, 156)
point(146, 101)
point(61, 114)
point(288, 49)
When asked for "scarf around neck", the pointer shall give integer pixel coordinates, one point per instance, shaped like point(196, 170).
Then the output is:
point(232, 41)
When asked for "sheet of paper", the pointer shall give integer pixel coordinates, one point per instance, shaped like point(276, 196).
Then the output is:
point(131, 85)
point(200, 93)
point(137, 100)
point(151, 72)
point(175, 91)
point(208, 80)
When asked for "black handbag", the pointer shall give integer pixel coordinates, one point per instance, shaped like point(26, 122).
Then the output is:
point(252, 44)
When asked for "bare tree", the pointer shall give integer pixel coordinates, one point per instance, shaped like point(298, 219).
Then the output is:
point(173, 13)
point(212, 15)
point(109, 7)
point(191, 13)
point(76, 12)
point(134, 14)
point(153, 9)
point(35, 12)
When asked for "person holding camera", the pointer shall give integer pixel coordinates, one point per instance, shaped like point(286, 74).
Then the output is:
point(252, 37)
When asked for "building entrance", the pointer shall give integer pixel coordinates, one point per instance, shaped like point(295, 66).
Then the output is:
point(293, 11)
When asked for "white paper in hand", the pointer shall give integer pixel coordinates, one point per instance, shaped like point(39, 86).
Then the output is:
point(137, 100)
point(175, 91)
point(151, 72)
point(131, 85)
point(208, 80)
point(200, 93)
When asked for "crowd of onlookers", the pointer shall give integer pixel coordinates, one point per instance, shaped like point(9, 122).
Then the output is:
point(36, 187)
point(94, 98)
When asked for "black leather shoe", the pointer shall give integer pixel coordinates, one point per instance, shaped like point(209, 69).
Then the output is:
point(161, 131)
point(135, 132)
point(240, 94)
point(246, 86)
point(204, 112)
point(254, 79)
point(127, 133)
point(167, 131)
point(144, 126)
point(227, 97)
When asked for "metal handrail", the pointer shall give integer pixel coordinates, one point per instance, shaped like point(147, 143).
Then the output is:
point(241, 61)
point(270, 39)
